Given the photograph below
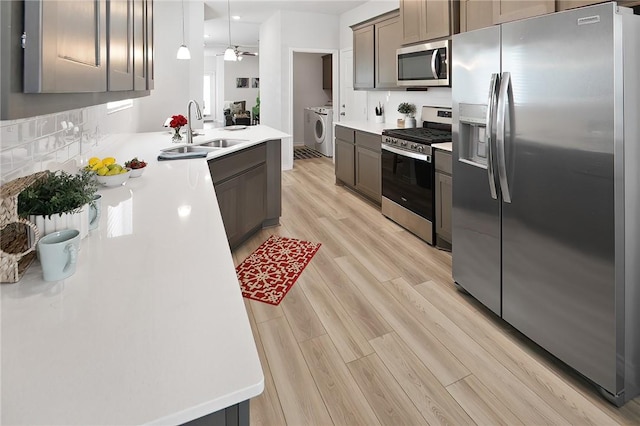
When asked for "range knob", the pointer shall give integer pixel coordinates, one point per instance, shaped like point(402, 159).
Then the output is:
point(414, 146)
point(403, 143)
point(420, 148)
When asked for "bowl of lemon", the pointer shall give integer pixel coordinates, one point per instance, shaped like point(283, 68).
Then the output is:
point(108, 172)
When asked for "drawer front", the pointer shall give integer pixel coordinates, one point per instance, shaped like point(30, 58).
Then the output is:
point(233, 164)
point(345, 133)
point(369, 140)
point(443, 161)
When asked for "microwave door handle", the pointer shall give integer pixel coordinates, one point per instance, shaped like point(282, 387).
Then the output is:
point(491, 105)
point(505, 95)
point(434, 63)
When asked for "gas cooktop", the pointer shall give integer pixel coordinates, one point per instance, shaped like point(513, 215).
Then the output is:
point(420, 135)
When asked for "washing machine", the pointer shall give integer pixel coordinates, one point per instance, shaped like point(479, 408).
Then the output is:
point(323, 130)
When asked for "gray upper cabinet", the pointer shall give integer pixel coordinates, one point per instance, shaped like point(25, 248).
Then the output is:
point(65, 49)
point(475, 14)
point(508, 10)
point(424, 20)
point(363, 57)
point(139, 40)
point(149, 44)
point(388, 39)
point(374, 52)
point(120, 44)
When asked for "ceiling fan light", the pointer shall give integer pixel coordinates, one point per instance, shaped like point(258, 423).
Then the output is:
point(230, 55)
point(183, 52)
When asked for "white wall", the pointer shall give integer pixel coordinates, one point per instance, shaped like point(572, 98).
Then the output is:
point(249, 68)
point(362, 13)
point(176, 81)
point(307, 89)
point(281, 35)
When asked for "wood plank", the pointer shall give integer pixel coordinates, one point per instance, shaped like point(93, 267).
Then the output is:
point(551, 387)
point(365, 317)
point(527, 405)
point(301, 402)
point(376, 265)
point(425, 391)
point(265, 408)
point(302, 318)
point(350, 343)
point(481, 404)
point(345, 402)
point(442, 363)
point(385, 396)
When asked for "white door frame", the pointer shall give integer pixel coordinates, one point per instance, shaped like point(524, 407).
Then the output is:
point(335, 83)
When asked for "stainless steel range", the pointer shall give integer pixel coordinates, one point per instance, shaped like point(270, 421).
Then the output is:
point(408, 174)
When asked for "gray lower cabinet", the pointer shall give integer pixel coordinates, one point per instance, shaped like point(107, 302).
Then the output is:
point(357, 158)
point(443, 195)
point(248, 191)
point(344, 155)
point(368, 167)
point(236, 415)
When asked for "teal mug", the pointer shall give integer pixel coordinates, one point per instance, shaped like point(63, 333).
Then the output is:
point(58, 254)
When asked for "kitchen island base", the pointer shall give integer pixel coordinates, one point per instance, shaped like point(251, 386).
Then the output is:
point(235, 415)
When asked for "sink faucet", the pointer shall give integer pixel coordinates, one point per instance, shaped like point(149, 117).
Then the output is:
point(198, 116)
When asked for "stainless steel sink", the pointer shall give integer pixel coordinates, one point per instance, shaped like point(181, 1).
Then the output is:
point(187, 148)
point(222, 143)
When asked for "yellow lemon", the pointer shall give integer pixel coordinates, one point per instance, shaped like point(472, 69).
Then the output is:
point(108, 160)
point(103, 171)
point(93, 161)
point(123, 171)
point(97, 166)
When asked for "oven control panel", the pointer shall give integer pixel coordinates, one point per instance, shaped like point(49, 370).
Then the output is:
point(407, 145)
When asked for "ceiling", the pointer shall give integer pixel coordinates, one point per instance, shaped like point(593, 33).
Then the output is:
point(245, 32)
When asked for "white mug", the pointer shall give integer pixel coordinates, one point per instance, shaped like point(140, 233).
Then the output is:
point(95, 208)
point(58, 253)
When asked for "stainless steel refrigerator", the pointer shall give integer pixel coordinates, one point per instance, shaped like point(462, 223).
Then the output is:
point(546, 207)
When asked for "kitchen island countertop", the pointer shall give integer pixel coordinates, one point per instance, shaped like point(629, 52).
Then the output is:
point(152, 327)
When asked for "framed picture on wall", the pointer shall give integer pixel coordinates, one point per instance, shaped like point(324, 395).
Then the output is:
point(242, 83)
point(255, 83)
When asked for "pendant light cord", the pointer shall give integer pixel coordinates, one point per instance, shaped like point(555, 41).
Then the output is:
point(183, 23)
point(229, 16)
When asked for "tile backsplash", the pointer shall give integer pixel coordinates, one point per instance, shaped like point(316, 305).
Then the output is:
point(45, 142)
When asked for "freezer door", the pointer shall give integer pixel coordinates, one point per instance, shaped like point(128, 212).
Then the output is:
point(476, 215)
point(558, 230)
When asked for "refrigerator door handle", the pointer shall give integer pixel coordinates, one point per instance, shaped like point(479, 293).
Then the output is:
point(503, 98)
point(434, 63)
point(491, 106)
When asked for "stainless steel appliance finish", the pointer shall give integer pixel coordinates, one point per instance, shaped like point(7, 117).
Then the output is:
point(545, 195)
point(425, 64)
point(408, 173)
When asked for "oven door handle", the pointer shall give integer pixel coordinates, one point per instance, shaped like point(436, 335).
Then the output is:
point(414, 155)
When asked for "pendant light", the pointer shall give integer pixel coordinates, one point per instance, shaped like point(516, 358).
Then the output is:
point(183, 50)
point(230, 53)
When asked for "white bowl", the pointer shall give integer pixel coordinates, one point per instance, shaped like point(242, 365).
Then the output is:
point(137, 172)
point(114, 180)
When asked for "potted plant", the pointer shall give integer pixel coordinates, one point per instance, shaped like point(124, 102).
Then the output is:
point(59, 201)
point(409, 111)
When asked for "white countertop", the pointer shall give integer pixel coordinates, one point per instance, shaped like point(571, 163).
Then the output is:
point(444, 146)
point(367, 126)
point(152, 327)
point(252, 135)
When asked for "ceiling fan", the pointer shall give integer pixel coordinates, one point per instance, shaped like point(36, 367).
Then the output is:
point(235, 49)
point(232, 53)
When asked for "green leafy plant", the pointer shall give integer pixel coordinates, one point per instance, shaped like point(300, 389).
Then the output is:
point(58, 192)
point(407, 109)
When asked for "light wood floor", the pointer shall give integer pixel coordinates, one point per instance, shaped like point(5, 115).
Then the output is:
point(374, 332)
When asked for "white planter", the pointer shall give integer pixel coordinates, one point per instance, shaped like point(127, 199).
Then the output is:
point(58, 222)
point(409, 122)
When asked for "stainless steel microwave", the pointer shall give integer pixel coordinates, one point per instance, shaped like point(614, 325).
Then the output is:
point(424, 64)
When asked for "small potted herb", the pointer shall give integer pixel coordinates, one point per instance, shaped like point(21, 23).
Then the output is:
point(409, 110)
point(59, 201)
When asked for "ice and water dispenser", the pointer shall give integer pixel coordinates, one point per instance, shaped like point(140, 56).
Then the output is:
point(473, 148)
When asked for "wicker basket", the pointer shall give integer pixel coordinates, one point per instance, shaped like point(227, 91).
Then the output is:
point(15, 252)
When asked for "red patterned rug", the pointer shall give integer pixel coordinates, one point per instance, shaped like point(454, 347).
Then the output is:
point(272, 269)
